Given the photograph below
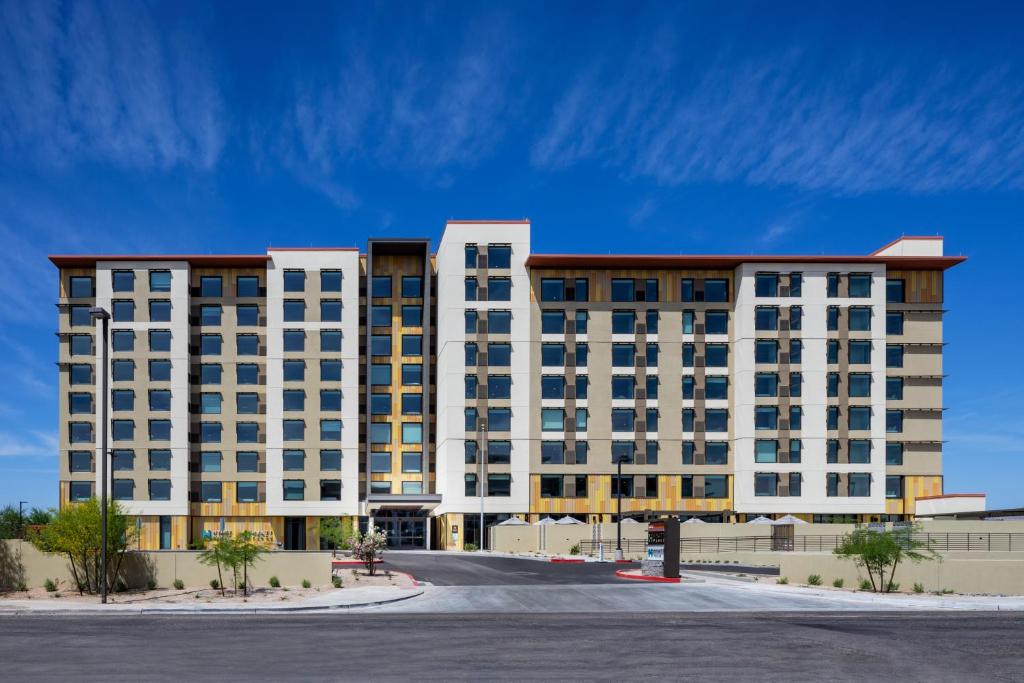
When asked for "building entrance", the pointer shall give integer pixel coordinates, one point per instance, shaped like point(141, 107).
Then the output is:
point(406, 529)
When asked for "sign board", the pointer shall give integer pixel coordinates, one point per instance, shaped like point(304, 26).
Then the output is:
point(662, 552)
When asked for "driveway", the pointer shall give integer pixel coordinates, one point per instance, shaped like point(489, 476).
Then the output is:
point(465, 569)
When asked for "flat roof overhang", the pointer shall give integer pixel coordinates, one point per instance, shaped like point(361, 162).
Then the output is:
point(725, 261)
point(398, 501)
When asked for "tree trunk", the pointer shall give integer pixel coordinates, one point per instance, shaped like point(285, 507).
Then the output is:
point(892, 575)
point(220, 579)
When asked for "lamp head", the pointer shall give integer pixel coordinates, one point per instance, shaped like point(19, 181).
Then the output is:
point(99, 313)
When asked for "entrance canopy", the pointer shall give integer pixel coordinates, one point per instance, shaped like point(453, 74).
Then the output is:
point(392, 501)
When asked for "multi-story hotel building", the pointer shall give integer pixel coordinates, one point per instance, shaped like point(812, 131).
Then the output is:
point(414, 390)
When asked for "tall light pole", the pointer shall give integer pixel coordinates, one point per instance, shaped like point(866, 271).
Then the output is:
point(618, 501)
point(482, 457)
point(101, 314)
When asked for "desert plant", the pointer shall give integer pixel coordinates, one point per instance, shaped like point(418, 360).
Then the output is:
point(50, 585)
point(880, 552)
point(470, 547)
point(306, 583)
point(782, 580)
point(179, 584)
point(336, 580)
point(575, 550)
point(369, 546)
point(214, 584)
point(120, 586)
point(865, 585)
point(918, 587)
point(814, 579)
point(274, 582)
point(892, 587)
point(946, 591)
point(837, 583)
point(150, 584)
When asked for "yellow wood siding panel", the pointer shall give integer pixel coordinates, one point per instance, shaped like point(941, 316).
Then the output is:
point(920, 286)
point(600, 500)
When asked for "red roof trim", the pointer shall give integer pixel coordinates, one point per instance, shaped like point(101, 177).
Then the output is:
point(70, 260)
point(312, 249)
point(728, 261)
point(952, 495)
point(907, 237)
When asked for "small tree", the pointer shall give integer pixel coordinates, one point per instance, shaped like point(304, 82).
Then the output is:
point(880, 552)
point(219, 553)
point(331, 532)
point(248, 551)
point(76, 532)
point(369, 546)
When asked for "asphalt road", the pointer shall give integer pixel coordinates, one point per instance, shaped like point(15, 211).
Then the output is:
point(737, 647)
point(443, 569)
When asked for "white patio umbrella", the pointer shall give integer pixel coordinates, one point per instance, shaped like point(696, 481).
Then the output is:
point(695, 520)
point(568, 520)
point(629, 520)
point(789, 519)
point(513, 521)
point(545, 521)
point(759, 520)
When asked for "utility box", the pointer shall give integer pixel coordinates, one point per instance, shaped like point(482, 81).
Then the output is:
point(662, 553)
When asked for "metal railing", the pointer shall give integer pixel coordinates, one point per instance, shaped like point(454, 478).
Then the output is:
point(939, 542)
point(629, 545)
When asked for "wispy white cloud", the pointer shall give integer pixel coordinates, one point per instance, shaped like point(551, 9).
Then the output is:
point(88, 81)
point(27, 443)
point(783, 120)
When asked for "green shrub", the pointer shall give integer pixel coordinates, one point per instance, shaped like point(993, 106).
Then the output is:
point(782, 580)
point(274, 582)
point(336, 580)
point(837, 583)
point(946, 591)
point(865, 585)
point(306, 583)
point(893, 587)
point(50, 585)
point(470, 547)
point(21, 586)
point(814, 579)
point(151, 584)
point(918, 588)
point(575, 550)
point(120, 586)
point(214, 584)
point(179, 584)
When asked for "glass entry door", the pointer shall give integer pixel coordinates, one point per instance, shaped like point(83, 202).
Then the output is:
point(406, 529)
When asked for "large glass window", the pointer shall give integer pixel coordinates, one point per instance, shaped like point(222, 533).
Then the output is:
point(552, 355)
point(859, 485)
point(294, 489)
point(330, 430)
point(860, 352)
point(412, 374)
point(499, 419)
point(293, 430)
point(123, 311)
point(552, 322)
point(894, 388)
point(210, 344)
point(623, 322)
point(623, 419)
point(716, 486)
point(330, 400)
point(81, 287)
point(159, 489)
point(249, 373)
point(894, 291)
point(552, 419)
point(499, 354)
point(121, 340)
point(248, 315)
point(894, 421)
point(765, 484)
point(499, 322)
point(552, 289)
point(294, 280)
point(766, 384)
point(860, 417)
point(471, 287)
point(122, 399)
point(412, 344)
point(330, 340)
point(209, 461)
point(246, 403)
point(80, 404)
point(247, 461)
point(766, 417)
point(766, 285)
point(293, 460)
point(330, 310)
point(859, 451)
point(247, 285)
point(893, 453)
point(716, 387)
point(159, 400)
point(623, 355)
point(330, 280)
point(716, 355)
point(330, 371)
point(894, 356)
point(160, 460)
point(247, 345)
point(859, 384)
point(860, 285)
point(499, 386)
point(294, 310)
point(894, 323)
point(766, 351)
point(293, 400)
point(499, 289)
point(716, 322)
point(330, 461)
point(716, 453)
point(623, 386)
point(860, 318)
point(623, 289)
point(766, 318)
point(412, 404)
point(716, 291)
point(766, 450)
point(210, 373)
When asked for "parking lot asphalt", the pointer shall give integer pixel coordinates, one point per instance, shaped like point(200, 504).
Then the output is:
point(598, 646)
point(464, 569)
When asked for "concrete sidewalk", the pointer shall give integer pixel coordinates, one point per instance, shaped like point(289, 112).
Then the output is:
point(342, 598)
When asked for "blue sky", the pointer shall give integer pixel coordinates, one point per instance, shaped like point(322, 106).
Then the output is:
point(624, 127)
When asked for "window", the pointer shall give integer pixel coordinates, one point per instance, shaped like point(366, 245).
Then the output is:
point(380, 345)
point(294, 310)
point(796, 318)
point(159, 489)
point(120, 340)
point(295, 340)
point(82, 374)
point(412, 316)
point(623, 355)
point(248, 373)
point(79, 316)
point(210, 315)
point(294, 371)
point(688, 318)
point(860, 318)
point(380, 404)
point(123, 311)
point(330, 340)
point(686, 289)
point(860, 285)
point(859, 451)
point(499, 322)
point(552, 355)
point(293, 460)
point(247, 345)
point(623, 322)
point(716, 486)
point(159, 400)
point(471, 289)
point(330, 370)
point(582, 352)
point(81, 345)
point(860, 352)
point(246, 404)
point(122, 460)
point(796, 381)
point(622, 486)
point(294, 489)
point(859, 384)
point(499, 354)
point(210, 344)
point(210, 373)
point(716, 322)
point(716, 453)
point(247, 285)
point(894, 388)
point(894, 421)
point(894, 356)
point(859, 485)
point(550, 486)
point(499, 485)
point(499, 289)
point(380, 316)
point(716, 420)
point(796, 283)
point(330, 310)
point(499, 419)
point(553, 386)
point(552, 419)
point(832, 384)
point(766, 384)
point(248, 315)
point(209, 461)
point(552, 322)
point(688, 450)
point(893, 453)
point(81, 287)
point(330, 400)
point(623, 419)
point(247, 492)
point(716, 291)
point(766, 285)
point(582, 385)
point(210, 285)
point(651, 383)
point(121, 371)
point(499, 386)
point(247, 461)
point(894, 323)
point(651, 320)
point(688, 419)
point(82, 404)
point(795, 450)
point(330, 430)
point(294, 281)
point(80, 490)
point(716, 387)
point(652, 355)
point(623, 290)
point(832, 417)
point(123, 489)
point(470, 451)
point(651, 289)
point(293, 430)
point(330, 280)
point(471, 419)
point(832, 285)
point(832, 451)
point(832, 352)
point(412, 404)
point(210, 432)
point(552, 452)
point(688, 383)
point(122, 430)
point(581, 452)
point(832, 318)
point(765, 484)
point(412, 432)
point(552, 289)
point(412, 344)
point(893, 486)
point(716, 355)
point(293, 400)
point(860, 417)
point(412, 374)
point(895, 291)
point(582, 286)
point(766, 351)
point(330, 461)
point(766, 417)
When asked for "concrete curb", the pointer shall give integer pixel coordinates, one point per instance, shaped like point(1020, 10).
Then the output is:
point(149, 611)
point(639, 577)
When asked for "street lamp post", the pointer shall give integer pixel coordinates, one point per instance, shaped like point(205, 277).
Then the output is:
point(618, 502)
point(482, 457)
point(101, 314)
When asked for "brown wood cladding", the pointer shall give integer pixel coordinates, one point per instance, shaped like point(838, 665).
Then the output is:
point(919, 286)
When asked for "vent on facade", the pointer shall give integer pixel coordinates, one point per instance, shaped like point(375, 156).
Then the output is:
point(481, 359)
point(263, 320)
point(698, 394)
point(784, 325)
point(783, 358)
point(481, 327)
point(784, 290)
point(698, 328)
point(641, 362)
point(481, 261)
point(570, 393)
point(570, 327)
point(481, 294)
point(638, 295)
point(641, 328)
point(783, 392)
point(641, 394)
point(570, 359)
point(261, 291)
point(783, 425)
point(698, 426)
point(698, 362)
point(570, 293)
